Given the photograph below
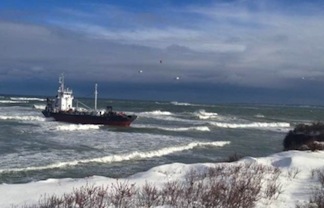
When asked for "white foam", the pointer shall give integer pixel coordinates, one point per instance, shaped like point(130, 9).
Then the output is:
point(124, 157)
point(181, 104)
point(202, 114)
point(252, 125)
point(193, 128)
point(157, 113)
point(27, 99)
point(39, 107)
point(162, 115)
point(12, 101)
point(22, 118)
point(259, 116)
point(77, 127)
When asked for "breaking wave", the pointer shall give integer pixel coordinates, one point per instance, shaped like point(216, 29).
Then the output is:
point(157, 113)
point(124, 157)
point(27, 99)
point(23, 118)
point(202, 114)
point(13, 101)
point(77, 127)
point(252, 125)
point(194, 128)
point(181, 104)
point(259, 116)
point(39, 107)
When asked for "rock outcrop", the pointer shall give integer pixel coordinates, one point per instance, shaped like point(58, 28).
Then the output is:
point(305, 137)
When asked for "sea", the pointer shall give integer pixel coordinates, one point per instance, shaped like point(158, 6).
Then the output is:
point(35, 148)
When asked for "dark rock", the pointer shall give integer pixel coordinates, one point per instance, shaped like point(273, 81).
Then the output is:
point(305, 137)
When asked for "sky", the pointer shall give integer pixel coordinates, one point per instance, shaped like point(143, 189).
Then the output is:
point(266, 51)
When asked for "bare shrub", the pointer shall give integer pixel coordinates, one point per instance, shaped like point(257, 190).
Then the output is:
point(148, 196)
point(171, 192)
point(84, 197)
point(317, 198)
point(319, 174)
point(192, 189)
point(122, 194)
point(315, 201)
point(273, 190)
point(223, 186)
point(293, 172)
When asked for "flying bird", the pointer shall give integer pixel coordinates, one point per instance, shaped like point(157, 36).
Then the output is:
point(140, 71)
point(177, 78)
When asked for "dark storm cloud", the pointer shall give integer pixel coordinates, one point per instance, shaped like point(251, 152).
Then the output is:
point(259, 44)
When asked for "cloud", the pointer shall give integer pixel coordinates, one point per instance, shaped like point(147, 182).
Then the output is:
point(243, 43)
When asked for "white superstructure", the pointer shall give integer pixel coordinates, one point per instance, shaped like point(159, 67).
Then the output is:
point(64, 99)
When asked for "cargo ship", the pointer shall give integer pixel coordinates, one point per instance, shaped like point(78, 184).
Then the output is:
point(61, 109)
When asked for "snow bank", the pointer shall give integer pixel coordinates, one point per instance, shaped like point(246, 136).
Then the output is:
point(296, 188)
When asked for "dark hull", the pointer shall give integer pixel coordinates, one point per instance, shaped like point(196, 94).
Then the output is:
point(110, 119)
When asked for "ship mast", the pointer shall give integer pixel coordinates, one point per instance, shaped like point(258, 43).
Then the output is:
point(96, 95)
point(61, 81)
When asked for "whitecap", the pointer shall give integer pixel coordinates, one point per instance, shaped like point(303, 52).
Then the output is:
point(23, 118)
point(202, 114)
point(27, 99)
point(194, 128)
point(39, 107)
point(262, 125)
point(13, 101)
point(77, 127)
point(157, 113)
point(180, 129)
point(124, 157)
point(181, 104)
point(259, 116)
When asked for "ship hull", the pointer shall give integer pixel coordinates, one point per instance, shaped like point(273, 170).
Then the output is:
point(112, 120)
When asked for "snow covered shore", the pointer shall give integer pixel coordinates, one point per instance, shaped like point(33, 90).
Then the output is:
point(296, 179)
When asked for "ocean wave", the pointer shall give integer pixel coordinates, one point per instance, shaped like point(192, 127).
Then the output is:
point(124, 157)
point(252, 125)
point(180, 129)
point(157, 113)
point(202, 114)
point(27, 99)
point(77, 127)
point(181, 104)
point(39, 107)
point(193, 128)
point(259, 116)
point(23, 118)
point(13, 101)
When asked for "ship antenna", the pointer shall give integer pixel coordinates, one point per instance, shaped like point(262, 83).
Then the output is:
point(96, 95)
